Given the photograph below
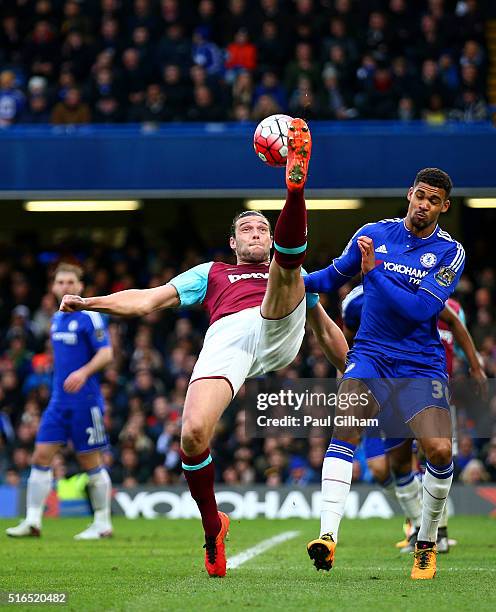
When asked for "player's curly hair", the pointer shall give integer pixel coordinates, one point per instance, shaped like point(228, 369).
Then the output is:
point(435, 178)
point(246, 213)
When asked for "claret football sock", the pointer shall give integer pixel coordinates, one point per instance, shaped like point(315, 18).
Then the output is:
point(290, 234)
point(437, 483)
point(199, 472)
point(336, 482)
point(39, 485)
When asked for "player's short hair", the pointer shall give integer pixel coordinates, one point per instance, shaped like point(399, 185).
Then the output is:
point(71, 268)
point(435, 178)
point(246, 213)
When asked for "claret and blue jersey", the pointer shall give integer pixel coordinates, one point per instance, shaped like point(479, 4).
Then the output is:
point(406, 291)
point(225, 289)
point(76, 338)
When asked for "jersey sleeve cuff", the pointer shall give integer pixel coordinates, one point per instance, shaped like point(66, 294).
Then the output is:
point(177, 291)
point(335, 267)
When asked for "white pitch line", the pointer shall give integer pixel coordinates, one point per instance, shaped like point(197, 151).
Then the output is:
point(258, 549)
point(401, 569)
point(397, 569)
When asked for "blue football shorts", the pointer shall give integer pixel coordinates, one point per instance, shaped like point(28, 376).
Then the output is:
point(80, 422)
point(401, 387)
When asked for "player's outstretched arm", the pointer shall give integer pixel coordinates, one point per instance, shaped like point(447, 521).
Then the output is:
point(329, 335)
point(128, 303)
point(465, 342)
point(342, 269)
point(324, 281)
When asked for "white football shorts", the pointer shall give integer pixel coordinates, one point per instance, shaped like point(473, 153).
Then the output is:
point(245, 345)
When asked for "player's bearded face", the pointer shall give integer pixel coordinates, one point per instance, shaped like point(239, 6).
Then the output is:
point(253, 240)
point(66, 283)
point(426, 204)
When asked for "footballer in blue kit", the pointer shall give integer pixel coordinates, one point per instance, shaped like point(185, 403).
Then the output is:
point(75, 414)
point(390, 459)
point(410, 267)
point(81, 348)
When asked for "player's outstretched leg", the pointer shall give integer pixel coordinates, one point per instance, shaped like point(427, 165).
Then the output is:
point(290, 233)
point(285, 288)
point(39, 485)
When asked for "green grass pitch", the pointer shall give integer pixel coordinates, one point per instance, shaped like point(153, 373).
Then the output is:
point(158, 565)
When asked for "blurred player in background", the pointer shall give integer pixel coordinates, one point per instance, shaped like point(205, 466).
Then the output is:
point(390, 461)
point(257, 310)
point(418, 266)
point(81, 348)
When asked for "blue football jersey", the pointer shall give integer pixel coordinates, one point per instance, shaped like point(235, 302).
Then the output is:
point(76, 337)
point(411, 264)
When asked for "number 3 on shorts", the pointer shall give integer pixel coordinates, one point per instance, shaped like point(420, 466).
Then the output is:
point(439, 390)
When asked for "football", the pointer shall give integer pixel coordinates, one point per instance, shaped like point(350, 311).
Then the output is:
point(270, 140)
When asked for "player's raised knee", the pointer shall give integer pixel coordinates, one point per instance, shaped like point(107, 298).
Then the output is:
point(193, 438)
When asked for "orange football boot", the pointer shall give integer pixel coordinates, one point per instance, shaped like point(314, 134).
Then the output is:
point(215, 551)
point(299, 151)
point(424, 563)
point(321, 551)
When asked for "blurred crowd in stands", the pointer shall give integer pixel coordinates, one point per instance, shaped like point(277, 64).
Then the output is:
point(72, 62)
point(145, 386)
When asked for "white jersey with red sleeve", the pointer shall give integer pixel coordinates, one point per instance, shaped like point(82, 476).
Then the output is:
point(225, 289)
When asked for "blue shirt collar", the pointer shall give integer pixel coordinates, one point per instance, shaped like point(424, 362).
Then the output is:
point(414, 237)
